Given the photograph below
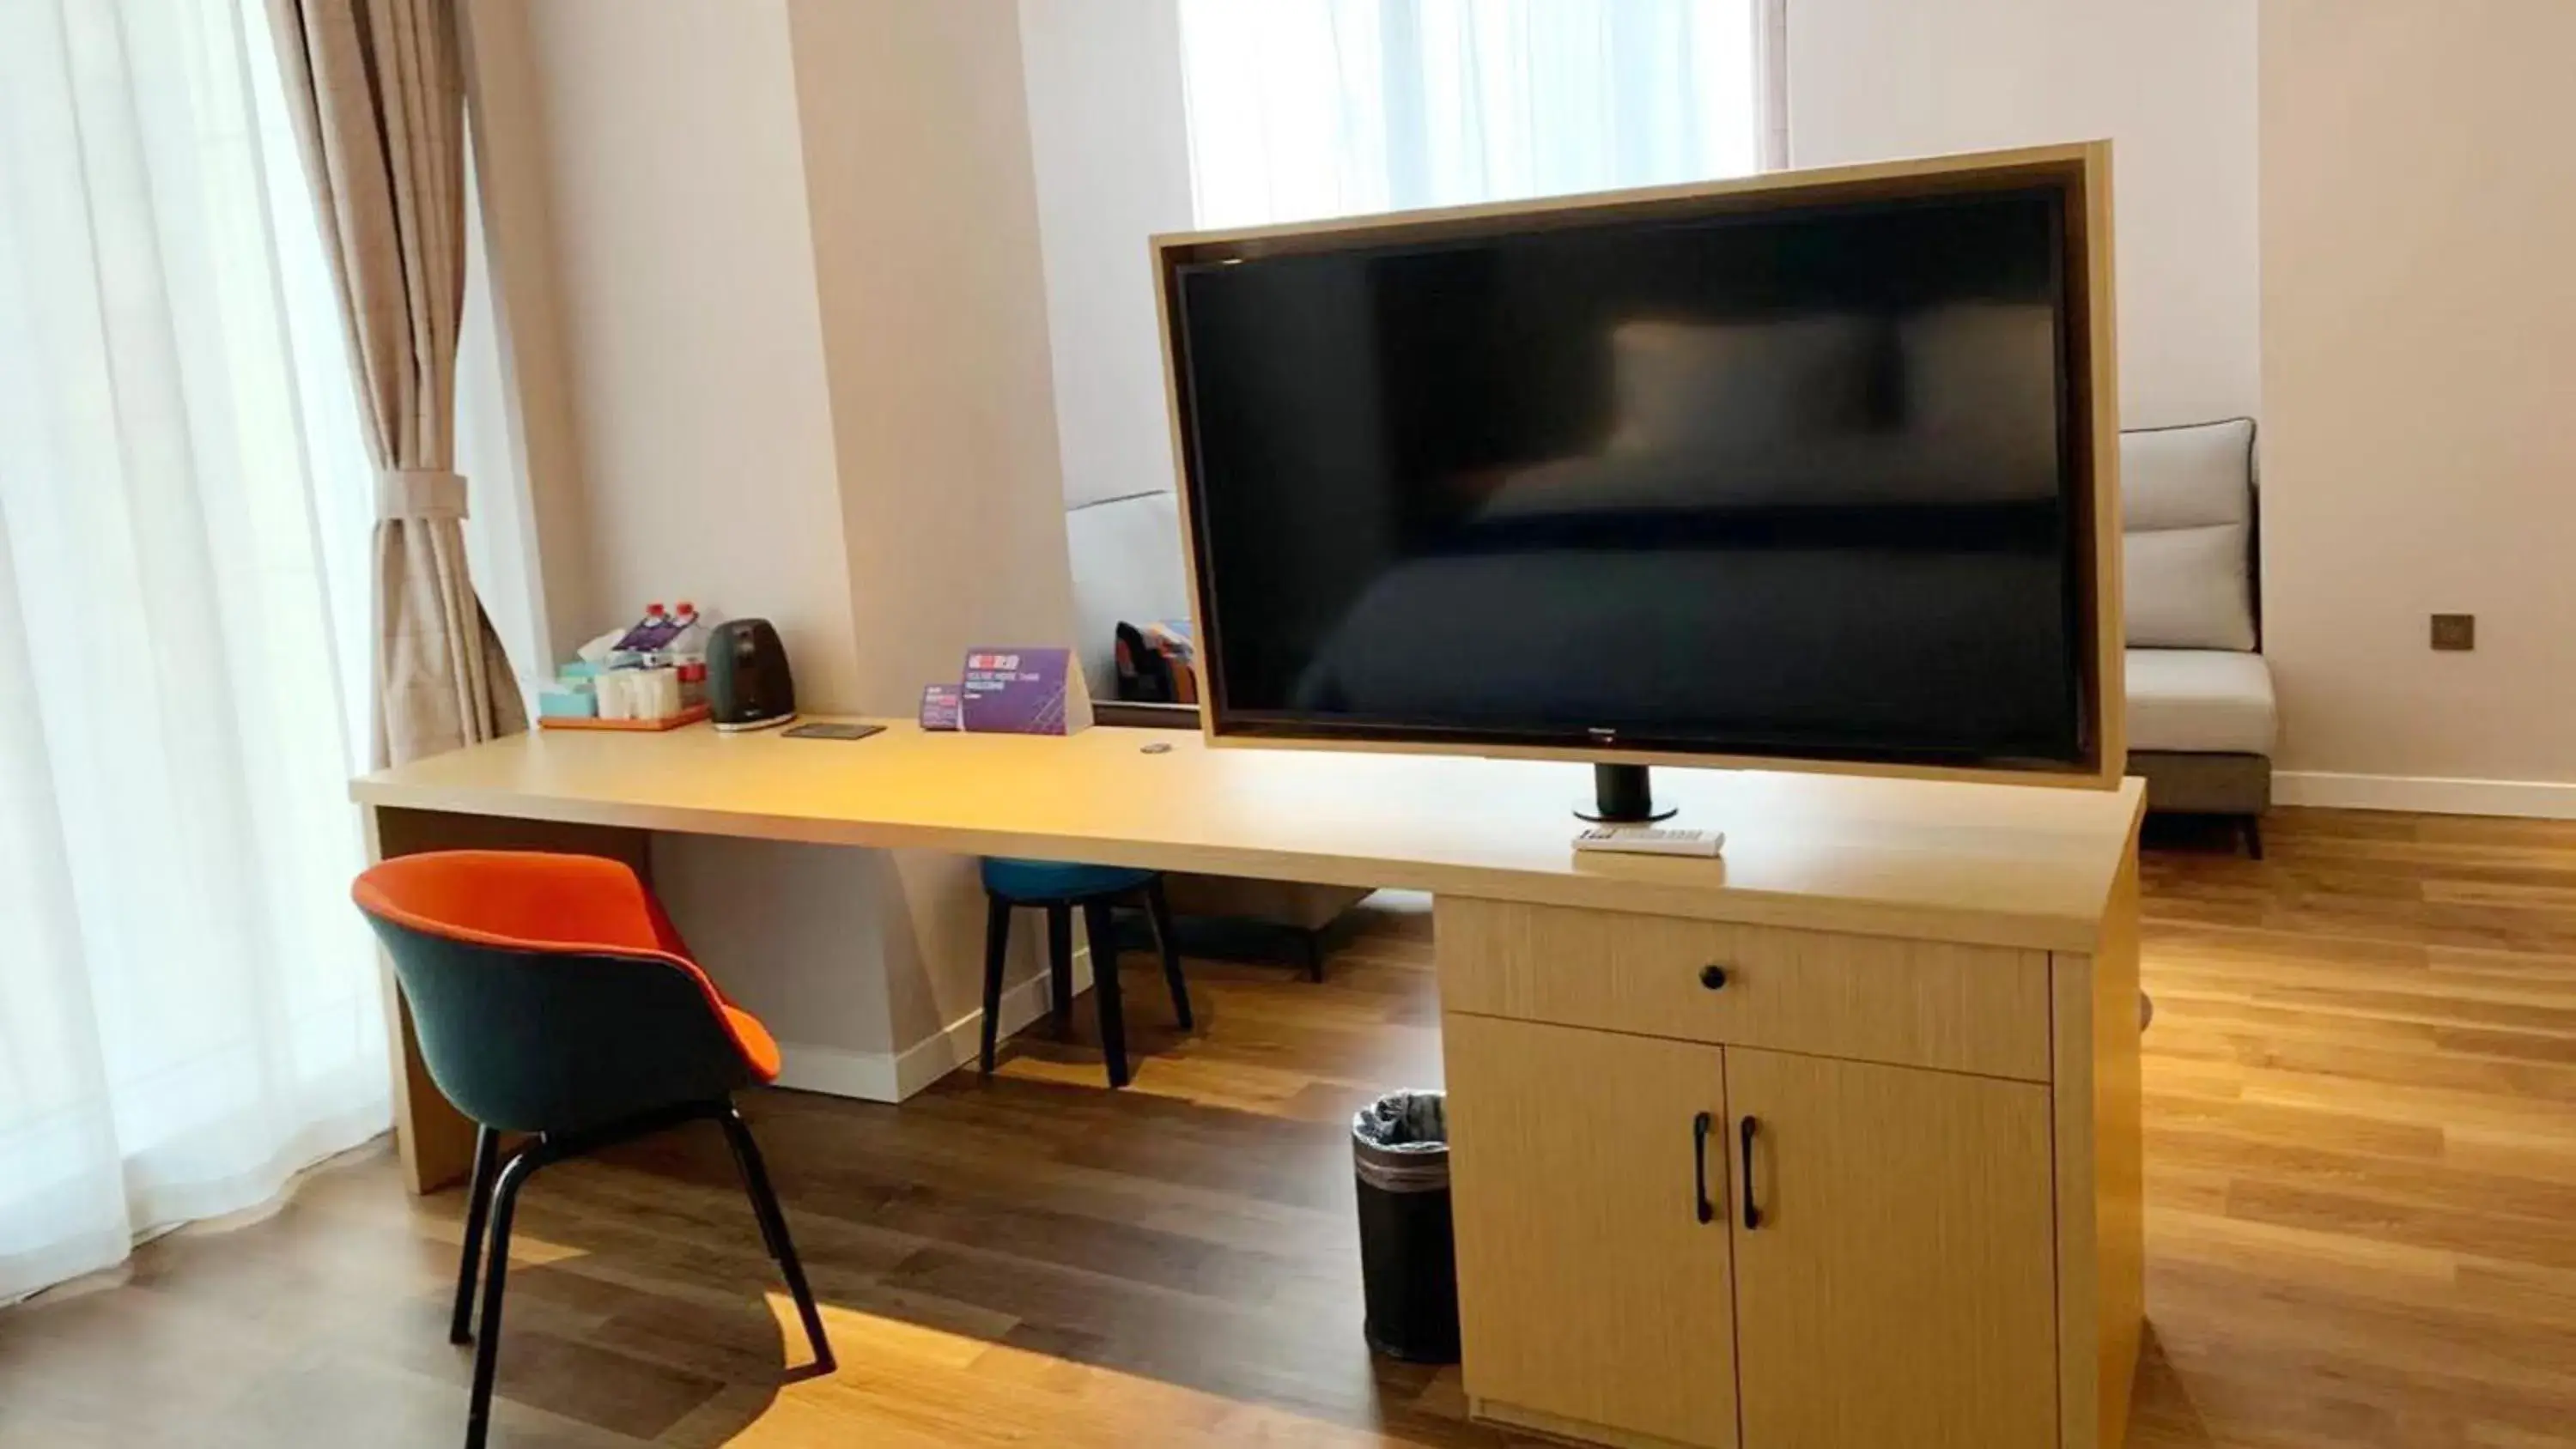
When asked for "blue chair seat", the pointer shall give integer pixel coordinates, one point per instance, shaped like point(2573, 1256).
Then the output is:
point(1056, 880)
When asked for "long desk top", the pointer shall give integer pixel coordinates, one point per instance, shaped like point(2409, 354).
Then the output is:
point(2023, 866)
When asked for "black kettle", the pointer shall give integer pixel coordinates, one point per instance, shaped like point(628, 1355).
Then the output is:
point(748, 683)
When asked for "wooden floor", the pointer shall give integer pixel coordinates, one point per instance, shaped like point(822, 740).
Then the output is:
point(2361, 1138)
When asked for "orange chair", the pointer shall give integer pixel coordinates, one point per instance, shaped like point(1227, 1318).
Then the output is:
point(552, 997)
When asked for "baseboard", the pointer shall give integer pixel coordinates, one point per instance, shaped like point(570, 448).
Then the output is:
point(2430, 794)
point(925, 1062)
point(894, 1076)
point(838, 1071)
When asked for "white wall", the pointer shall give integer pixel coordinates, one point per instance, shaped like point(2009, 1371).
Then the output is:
point(681, 278)
point(934, 315)
point(2349, 220)
point(780, 267)
point(2419, 214)
point(684, 281)
point(1112, 154)
point(2171, 82)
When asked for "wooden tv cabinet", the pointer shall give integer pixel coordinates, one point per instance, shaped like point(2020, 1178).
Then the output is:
point(1722, 1184)
point(1922, 995)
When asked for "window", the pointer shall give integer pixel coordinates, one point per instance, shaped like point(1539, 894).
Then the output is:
point(1340, 107)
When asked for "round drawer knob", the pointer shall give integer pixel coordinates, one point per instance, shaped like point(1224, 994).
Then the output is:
point(1712, 976)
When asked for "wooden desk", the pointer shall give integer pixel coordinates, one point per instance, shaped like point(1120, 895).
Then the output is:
point(1926, 1004)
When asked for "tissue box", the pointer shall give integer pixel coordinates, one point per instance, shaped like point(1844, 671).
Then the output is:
point(568, 699)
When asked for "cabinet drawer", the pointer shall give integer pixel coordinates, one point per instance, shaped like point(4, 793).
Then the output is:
point(1864, 998)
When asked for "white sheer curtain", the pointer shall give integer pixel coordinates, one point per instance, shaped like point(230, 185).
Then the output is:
point(189, 1008)
point(1334, 107)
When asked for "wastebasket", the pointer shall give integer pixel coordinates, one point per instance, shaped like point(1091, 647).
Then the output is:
point(1408, 1260)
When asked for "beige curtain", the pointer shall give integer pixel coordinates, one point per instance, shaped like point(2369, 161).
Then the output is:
point(378, 98)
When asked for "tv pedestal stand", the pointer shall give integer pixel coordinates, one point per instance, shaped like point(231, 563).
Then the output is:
point(1622, 795)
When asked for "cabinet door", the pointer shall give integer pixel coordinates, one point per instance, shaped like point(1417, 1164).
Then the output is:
point(1898, 1288)
point(1590, 1291)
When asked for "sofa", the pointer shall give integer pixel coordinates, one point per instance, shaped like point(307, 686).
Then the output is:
point(1126, 555)
point(2202, 719)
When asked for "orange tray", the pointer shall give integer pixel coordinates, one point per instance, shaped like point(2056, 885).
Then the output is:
point(691, 715)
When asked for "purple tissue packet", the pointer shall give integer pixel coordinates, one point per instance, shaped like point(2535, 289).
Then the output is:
point(940, 707)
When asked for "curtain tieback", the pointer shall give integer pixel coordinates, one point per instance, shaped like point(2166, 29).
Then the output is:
point(418, 493)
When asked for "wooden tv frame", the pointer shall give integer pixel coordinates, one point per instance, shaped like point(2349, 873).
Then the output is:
point(2082, 170)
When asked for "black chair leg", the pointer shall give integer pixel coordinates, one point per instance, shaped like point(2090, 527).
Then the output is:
point(997, 948)
point(2251, 827)
point(487, 1349)
point(478, 1209)
point(773, 1231)
point(1310, 945)
point(1158, 919)
point(1103, 930)
point(1059, 916)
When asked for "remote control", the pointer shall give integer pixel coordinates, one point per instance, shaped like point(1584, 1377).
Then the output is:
point(1650, 840)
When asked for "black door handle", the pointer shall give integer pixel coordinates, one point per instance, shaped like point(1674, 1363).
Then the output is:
point(1744, 1135)
point(1700, 1128)
point(1712, 976)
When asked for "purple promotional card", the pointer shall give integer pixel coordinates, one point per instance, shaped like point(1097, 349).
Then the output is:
point(1021, 692)
point(940, 707)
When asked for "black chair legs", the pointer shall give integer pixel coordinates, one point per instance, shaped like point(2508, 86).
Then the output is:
point(487, 1348)
point(773, 1231)
point(1105, 990)
point(1158, 918)
point(1059, 917)
point(997, 952)
point(1099, 927)
point(498, 1195)
point(478, 1209)
point(2251, 828)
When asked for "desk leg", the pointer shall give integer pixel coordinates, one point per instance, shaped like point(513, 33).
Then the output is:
point(436, 1140)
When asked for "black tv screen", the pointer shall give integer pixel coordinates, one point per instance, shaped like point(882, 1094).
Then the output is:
point(1782, 482)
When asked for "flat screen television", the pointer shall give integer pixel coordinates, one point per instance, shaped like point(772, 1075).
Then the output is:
point(1807, 469)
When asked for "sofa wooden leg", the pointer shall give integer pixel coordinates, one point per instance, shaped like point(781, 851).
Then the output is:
point(2251, 828)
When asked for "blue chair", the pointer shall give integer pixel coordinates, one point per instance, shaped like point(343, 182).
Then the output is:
point(1058, 887)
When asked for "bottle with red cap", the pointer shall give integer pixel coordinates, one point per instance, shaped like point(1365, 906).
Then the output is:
point(648, 633)
point(688, 650)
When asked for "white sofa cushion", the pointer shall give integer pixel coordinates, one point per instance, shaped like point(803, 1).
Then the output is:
point(2201, 701)
point(2187, 516)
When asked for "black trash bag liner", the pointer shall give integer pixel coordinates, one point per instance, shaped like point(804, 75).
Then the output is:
point(1401, 1141)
